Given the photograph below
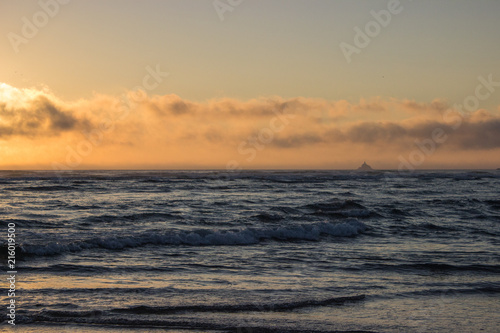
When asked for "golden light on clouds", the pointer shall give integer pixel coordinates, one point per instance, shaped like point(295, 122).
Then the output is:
point(39, 130)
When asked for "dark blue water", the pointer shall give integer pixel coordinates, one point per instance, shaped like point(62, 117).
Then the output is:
point(257, 251)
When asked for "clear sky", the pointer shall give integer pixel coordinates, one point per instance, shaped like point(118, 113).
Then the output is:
point(233, 66)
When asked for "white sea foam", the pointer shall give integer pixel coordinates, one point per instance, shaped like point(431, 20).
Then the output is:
point(206, 237)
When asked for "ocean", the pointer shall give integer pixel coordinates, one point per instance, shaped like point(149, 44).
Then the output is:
point(252, 251)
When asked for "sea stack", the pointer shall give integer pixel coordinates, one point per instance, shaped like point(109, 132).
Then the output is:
point(365, 167)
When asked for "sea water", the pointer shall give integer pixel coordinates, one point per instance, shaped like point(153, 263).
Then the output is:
point(253, 251)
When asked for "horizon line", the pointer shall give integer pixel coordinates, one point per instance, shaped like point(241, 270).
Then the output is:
point(245, 170)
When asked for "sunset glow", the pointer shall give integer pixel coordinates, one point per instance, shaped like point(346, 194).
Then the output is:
point(167, 131)
point(198, 86)
point(250, 165)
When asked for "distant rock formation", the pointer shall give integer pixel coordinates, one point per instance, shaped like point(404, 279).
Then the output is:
point(365, 167)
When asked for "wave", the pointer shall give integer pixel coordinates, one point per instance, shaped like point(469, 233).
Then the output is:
point(144, 309)
point(134, 217)
point(205, 237)
point(266, 217)
point(177, 325)
point(495, 204)
point(161, 316)
point(216, 308)
point(339, 209)
point(431, 267)
point(399, 212)
point(70, 292)
point(335, 205)
point(453, 292)
point(435, 227)
point(94, 269)
point(47, 188)
point(286, 210)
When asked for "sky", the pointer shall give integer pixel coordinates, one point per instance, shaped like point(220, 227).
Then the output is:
point(249, 84)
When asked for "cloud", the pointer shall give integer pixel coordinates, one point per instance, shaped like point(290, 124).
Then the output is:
point(436, 105)
point(478, 135)
point(38, 117)
point(169, 128)
point(370, 132)
point(482, 135)
point(298, 140)
point(170, 105)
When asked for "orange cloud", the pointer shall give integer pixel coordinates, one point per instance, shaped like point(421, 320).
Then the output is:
point(140, 131)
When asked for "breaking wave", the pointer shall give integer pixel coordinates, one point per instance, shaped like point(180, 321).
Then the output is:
point(205, 237)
